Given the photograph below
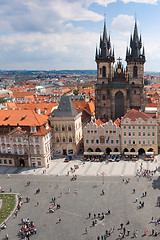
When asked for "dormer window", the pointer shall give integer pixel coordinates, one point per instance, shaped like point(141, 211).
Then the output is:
point(33, 129)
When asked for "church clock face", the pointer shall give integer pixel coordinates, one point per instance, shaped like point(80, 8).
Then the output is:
point(119, 70)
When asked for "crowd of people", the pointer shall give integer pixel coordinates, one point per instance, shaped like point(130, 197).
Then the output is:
point(27, 229)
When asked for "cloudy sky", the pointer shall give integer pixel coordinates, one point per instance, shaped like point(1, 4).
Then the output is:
point(62, 34)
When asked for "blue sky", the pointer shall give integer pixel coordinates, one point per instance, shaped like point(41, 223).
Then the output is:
point(62, 34)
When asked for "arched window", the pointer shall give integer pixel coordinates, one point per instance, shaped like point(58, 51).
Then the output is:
point(63, 129)
point(57, 139)
point(135, 71)
point(103, 71)
point(64, 140)
point(70, 139)
point(56, 128)
point(69, 128)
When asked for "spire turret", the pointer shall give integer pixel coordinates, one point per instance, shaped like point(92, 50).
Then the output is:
point(134, 51)
point(105, 52)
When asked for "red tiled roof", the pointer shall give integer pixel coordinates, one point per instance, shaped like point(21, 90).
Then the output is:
point(117, 122)
point(134, 115)
point(98, 122)
point(22, 117)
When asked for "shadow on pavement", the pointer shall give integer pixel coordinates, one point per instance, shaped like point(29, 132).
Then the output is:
point(156, 183)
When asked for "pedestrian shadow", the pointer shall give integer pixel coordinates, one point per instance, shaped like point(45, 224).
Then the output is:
point(156, 183)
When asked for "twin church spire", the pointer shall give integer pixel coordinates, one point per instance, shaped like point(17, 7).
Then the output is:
point(133, 53)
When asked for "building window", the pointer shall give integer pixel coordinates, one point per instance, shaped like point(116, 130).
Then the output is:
point(129, 141)
point(129, 133)
point(92, 141)
point(0, 161)
point(64, 140)
point(20, 151)
point(124, 134)
point(148, 141)
point(3, 149)
point(129, 127)
point(148, 134)
point(5, 161)
point(135, 71)
point(144, 134)
point(10, 161)
point(39, 163)
point(36, 139)
point(97, 141)
point(15, 150)
point(134, 142)
point(139, 142)
point(117, 141)
point(14, 139)
point(2, 139)
point(70, 151)
point(112, 141)
point(69, 128)
point(70, 139)
point(56, 128)
point(37, 151)
point(103, 71)
point(133, 133)
point(103, 97)
point(9, 150)
point(32, 150)
point(148, 127)
point(153, 134)
point(139, 127)
point(124, 127)
point(57, 139)
point(143, 127)
point(125, 141)
point(19, 139)
point(133, 127)
point(152, 127)
point(153, 142)
point(7, 139)
point(63, 128)
point(144, 142)
point(88, 131)
point(24, 139)
point(139, 134)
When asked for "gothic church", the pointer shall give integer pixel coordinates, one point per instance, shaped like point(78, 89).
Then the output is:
point(117, 89)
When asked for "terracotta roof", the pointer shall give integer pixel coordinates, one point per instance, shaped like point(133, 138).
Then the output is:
point(23, 94)
point(98, 122)
point(117, 122)
point(11, 105)
point(22, 117)
point(134, 115)
point(82, 105)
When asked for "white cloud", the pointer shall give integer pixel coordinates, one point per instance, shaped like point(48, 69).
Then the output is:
point(122, 24)
point(104, 2)
point(142, 1)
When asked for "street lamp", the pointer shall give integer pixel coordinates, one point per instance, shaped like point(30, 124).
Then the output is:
point(102, 177)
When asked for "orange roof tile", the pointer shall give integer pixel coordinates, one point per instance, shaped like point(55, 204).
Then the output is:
point(117, 122)
point(22, 117)
point(98, 122)
point(23, 94)
point(134, 115)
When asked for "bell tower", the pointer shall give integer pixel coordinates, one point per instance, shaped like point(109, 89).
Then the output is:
point(135, 58)
point(105, 62)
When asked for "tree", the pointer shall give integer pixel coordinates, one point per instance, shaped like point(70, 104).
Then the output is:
point(75, 92)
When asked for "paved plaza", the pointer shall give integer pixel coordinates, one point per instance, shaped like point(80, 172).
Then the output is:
point(78, 198)
point(60, 168)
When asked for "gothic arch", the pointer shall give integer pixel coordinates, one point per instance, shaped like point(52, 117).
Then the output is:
point(141, 151)
point(116, 150)
point(98, 150)
point(104, 71)
point(108, 150)
point(132, 150)
point(89, 150)
point(119, 104)
point(125, 150)
point(135, 70)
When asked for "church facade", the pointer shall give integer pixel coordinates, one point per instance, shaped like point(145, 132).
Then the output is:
point(117, 89)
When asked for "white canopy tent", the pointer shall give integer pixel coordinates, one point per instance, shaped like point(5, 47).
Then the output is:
point(93, 153)
point(149, 153)
point(115, 153)
point(131, 153)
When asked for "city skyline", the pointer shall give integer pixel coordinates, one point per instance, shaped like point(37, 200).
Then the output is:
point(46, 35)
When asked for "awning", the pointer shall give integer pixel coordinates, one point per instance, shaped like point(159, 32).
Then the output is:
point(94, 153)
point(149, 153)
point(131, 153)
point(115, 153)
